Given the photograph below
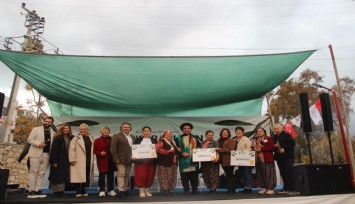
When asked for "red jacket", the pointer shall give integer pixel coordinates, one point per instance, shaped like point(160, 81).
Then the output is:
point(102, 161)
point(268, 149)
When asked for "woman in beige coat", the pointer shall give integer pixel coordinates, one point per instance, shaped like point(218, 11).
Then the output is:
point(81, 160)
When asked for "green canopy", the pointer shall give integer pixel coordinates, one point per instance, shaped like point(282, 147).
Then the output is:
point(154, 86)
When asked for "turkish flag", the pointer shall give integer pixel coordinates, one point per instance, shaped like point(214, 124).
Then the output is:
point(318, 105)
point(289, 129)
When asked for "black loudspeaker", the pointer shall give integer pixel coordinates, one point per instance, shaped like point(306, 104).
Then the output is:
point(326, 112)
point(4, 177)
point(2, 99)
point(306, 118)
point(313, 179)
point(341, 178)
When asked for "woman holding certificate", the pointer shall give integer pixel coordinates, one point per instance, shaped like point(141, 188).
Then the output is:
point(265, 167)
point(210, 170)
point(167, 162)
point(225, 146)
point(144, 169)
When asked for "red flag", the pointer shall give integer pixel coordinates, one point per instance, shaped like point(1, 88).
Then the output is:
point(318, 105)
point(289, 129)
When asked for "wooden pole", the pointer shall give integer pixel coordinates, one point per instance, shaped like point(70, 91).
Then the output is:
point(350, 149)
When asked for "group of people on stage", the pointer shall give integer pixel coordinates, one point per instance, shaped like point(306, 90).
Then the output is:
point(71, 160)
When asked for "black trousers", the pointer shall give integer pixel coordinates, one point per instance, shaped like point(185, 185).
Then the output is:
point(80, 187)
point(229, 171)
point(191, 177)
point(287, 174)
point(110, 181)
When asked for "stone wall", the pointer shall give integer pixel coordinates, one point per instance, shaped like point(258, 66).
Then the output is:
point(9, 154)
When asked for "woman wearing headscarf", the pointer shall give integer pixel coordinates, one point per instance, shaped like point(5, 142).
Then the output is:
point(210, 170)
point(225, 146)
point(81, 160)
point(167, 162)
point(144, 169)
point(265, 166)
point(59, 175)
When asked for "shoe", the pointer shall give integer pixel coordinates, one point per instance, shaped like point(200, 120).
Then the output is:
point(85, 195)
point(126, 193)
point(32, 194)
point(112, 193)
point(40, 194)
point(147, 192)
point(194, 192)
point(283, 191)
point(102, 194)
point(141, 192)
point(270, 192)
point(293, 193)
point(246, 190)
point(263, 191)
point(78, 195)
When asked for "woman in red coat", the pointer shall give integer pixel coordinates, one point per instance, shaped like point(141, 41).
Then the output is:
point(105, 162)
point(265, 167)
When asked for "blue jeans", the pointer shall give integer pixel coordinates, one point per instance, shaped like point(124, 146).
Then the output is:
point(247, 176)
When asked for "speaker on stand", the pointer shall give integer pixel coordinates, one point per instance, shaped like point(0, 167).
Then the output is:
point(327, 119)
point(306, 120)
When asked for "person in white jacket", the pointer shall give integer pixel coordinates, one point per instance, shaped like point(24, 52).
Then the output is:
point(40, 139)
point(244, 144)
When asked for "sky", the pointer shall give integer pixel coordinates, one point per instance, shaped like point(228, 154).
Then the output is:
point(190, 28)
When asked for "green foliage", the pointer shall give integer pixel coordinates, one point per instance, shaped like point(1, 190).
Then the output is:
point(24, 125)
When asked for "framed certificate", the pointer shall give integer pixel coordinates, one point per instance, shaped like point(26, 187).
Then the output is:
point(145, 151)
point(243, 158)
point(203, 155)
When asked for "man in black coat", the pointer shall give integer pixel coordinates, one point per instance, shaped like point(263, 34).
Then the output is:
point(285, 157)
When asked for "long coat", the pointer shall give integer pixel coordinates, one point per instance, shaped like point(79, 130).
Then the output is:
point(59, 156)
point(77, 153)
point(120, 149)
point(103, 161)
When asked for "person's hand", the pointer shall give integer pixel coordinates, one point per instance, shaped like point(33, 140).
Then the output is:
point(179, 149)
point(282, 150)
point(184, 154)
point(217, 149)
point(103, 153)
point(258, 149)
point(133, 158)
point(72, 163)
point(55, 165)
point(117, 162)
point(172, 150)
point(42, 145)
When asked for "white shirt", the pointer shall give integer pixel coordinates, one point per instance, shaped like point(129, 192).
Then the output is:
point(129, 139)
point(146, 141)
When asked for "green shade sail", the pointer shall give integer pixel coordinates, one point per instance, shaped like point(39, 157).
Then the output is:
point(154, 86)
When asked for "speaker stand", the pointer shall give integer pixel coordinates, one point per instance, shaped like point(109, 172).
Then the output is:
point(309, 148)
point(330, 146)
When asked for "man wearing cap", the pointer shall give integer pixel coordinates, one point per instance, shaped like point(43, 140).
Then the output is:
point(188, 170)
